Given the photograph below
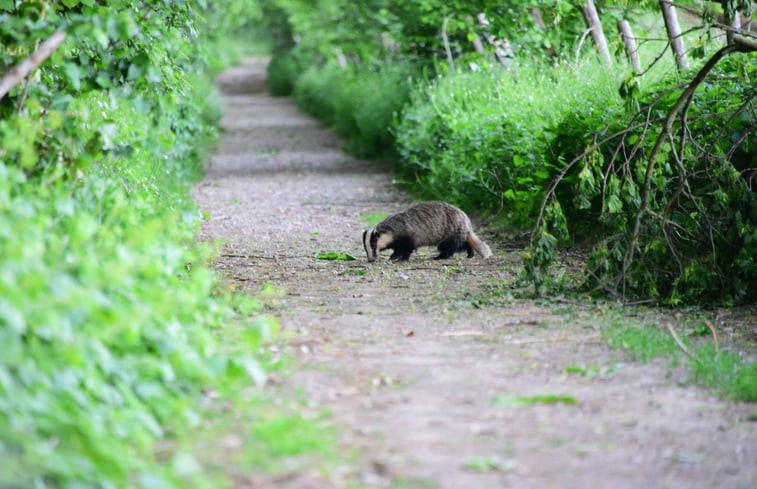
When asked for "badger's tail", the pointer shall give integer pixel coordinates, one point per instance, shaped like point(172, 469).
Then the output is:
point(478, 245)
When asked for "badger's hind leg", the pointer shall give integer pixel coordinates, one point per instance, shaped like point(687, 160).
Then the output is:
point(403, 247)
point(449, 247)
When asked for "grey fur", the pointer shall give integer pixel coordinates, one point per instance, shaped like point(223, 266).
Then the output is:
point(426, 224)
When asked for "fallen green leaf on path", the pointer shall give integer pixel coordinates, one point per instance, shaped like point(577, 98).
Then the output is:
point(359, 272)
point(335, 255)
point(581, 370)
point(593, 370)
point(490, 464)
point(505, 400)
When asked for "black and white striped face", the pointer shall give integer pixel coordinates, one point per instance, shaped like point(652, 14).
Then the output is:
point(375, 241)
point(370, 240)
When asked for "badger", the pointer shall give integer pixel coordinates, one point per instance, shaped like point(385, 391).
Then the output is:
point(426, 224)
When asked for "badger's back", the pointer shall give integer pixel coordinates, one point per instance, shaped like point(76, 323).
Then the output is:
point(428, 223)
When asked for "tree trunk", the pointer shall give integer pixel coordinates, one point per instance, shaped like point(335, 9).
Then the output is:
point(539, 21)
point(477, 44)
point(502, 50)
point(592, 21)
point(735, 23)
point(630, 43)
point(674, 34)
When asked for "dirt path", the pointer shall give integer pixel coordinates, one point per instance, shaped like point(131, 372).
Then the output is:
point(409, 368)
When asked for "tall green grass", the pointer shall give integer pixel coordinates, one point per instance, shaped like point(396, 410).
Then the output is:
point(484, 139)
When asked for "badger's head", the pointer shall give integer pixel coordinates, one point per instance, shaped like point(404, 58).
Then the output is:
point(374, 241)
point(370, 242)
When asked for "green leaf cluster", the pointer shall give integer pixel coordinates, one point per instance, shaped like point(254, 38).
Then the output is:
point(109, 319)
point(484, 139)
point(334, 256)
point(697, 239)
point(507, 400)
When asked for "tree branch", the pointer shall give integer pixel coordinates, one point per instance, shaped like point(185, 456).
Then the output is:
point(17, 74)
point(666, 131)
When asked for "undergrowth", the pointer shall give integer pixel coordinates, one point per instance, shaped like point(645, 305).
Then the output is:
point(483, 140)
point(727, 372)
point(359, 102)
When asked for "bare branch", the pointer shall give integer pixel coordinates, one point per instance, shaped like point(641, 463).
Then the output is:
point(678, 341)
point(17, 74)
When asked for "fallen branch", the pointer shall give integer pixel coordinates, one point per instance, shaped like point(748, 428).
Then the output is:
point(652, 159)
point(263, 257)
point(714, 333)
point(678, 341)
point(17, 74)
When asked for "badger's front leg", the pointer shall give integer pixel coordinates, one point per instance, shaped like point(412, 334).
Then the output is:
point(401, 255)
point(447, 248)
point(403, 247)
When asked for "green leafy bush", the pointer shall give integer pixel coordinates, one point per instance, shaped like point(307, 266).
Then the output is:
point(107, 332)
point(484, 139)
point(361, 103)
point(109, 319)
point(363, 32)
point(283, 72)
point(697, 238)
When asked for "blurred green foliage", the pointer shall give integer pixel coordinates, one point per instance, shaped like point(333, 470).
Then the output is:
point(360, 103)
point(110, 321)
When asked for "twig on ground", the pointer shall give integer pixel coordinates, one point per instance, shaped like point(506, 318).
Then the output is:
point(678, 341)
point(261, 257)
